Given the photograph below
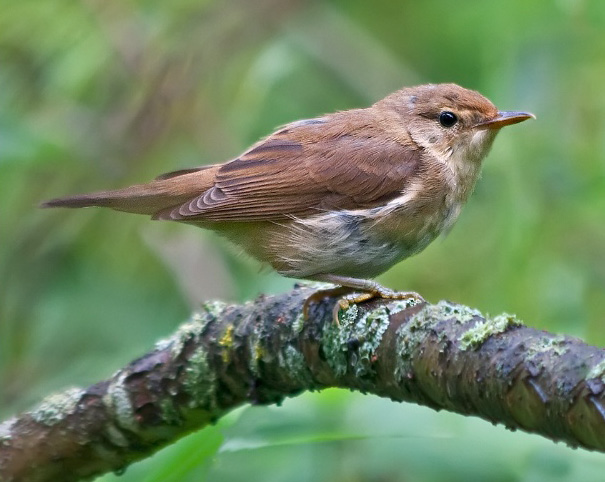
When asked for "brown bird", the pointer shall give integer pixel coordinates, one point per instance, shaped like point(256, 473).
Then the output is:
point(339, 198)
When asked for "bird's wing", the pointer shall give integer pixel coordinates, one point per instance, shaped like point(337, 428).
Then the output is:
point(305, 168)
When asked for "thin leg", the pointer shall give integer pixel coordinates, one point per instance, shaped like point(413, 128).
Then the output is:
point(360, 284)
point(319, 295)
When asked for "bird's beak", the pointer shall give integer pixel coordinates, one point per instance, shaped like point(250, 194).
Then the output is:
point(505, 118)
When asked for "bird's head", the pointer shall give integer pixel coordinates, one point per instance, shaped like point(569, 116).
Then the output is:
point(450, 121)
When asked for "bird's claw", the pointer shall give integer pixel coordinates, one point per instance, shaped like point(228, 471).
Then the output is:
point(345, 302)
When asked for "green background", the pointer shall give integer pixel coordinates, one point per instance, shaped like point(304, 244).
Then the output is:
point(102, 93)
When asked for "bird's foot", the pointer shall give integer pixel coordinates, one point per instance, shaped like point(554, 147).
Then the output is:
point(345, 302)
point(319, 295)
point(355, 291)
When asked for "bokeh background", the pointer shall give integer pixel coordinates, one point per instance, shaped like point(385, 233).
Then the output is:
point(102, 93)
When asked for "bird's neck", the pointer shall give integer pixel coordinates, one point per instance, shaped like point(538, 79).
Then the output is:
point(463, 162)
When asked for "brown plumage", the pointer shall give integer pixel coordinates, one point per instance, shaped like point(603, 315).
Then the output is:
point(340, 197)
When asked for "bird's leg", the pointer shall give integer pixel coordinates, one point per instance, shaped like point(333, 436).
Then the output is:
point(363, 290)
point(340, 291)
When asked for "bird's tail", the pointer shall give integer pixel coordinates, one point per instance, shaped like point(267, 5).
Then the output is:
point(162, 193)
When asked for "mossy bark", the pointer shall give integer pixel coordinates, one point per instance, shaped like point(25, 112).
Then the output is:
point(445, 356)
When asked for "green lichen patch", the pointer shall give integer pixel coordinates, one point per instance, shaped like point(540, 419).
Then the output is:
point(556, 345)
point(370, 330)
point(294, 363)
point(447, 310)
point(117, 400)
point(256, 349)
point(298, 324)
point(200, 381)
point(474, 337)
point(400, 305)
point(170, 413)
point(353, 344)
point(193, 328)
point(598, 371)
point(190, 330)
point(57, 406)
point(213, 308)
point(6, 429)
point(347, 316)
point(226, 342)
point(334, 340)
point(257, 354)
point(410, 335)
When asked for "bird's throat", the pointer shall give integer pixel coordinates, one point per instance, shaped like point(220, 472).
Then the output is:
point(465, 160)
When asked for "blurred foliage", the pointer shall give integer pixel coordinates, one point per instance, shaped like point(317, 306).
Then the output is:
point(98, 94)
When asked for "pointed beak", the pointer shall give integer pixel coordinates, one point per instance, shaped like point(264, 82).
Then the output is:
point(505, 118)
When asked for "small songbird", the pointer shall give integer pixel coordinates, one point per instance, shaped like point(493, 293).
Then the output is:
point(339, 198)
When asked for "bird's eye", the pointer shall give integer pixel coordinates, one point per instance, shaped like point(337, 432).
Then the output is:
point(447, 118)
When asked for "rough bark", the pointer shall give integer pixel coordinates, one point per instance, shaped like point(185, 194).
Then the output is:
point(445, 356)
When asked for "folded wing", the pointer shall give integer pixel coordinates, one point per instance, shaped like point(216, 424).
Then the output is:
point(305, 168)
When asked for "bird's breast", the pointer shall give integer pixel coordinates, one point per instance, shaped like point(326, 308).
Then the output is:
point(363, 242)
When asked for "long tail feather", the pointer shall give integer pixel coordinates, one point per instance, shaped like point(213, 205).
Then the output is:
point(142, 199)
point(146, 198)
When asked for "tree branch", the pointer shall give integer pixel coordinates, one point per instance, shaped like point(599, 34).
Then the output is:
point(444, 356)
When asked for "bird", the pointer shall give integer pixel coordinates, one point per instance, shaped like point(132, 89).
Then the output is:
point(339, 198)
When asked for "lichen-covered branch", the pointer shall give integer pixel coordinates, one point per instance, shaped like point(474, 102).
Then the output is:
point(445, 356)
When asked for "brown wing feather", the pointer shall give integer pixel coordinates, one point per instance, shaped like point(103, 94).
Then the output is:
point(182, 172)
point(303, 169)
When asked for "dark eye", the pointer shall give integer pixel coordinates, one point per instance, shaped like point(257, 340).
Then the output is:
point(447, 118)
